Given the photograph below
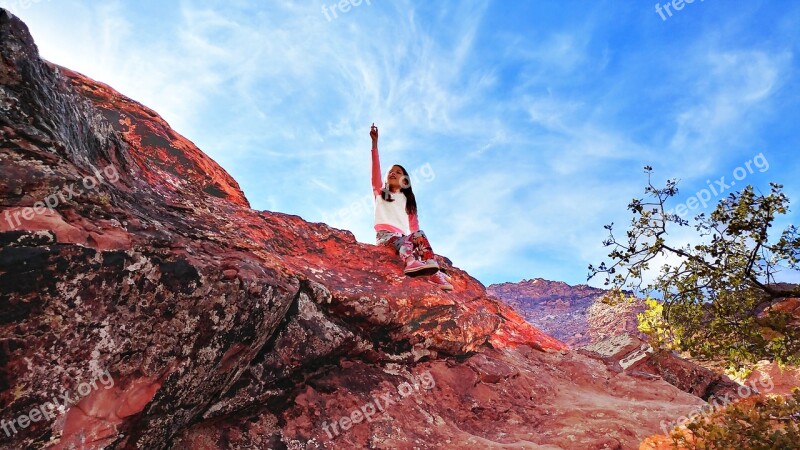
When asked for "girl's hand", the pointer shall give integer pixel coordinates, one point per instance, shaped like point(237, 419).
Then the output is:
point(373, 133)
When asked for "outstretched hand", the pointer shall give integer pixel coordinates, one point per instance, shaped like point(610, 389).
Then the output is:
point(373, 133)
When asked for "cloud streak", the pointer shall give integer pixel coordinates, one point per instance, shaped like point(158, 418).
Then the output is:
point(537, 120)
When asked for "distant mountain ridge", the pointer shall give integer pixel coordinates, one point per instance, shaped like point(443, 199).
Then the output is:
point(223, 327)
point(572, 314)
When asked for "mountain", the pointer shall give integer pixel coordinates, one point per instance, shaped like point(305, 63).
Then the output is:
point(577, 315)
point(573, 314)
point(145, 305)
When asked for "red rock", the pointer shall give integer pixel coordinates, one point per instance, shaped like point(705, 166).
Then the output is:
point(623, 350)
point(490, 370)
point(49, 221)
point(136, 396)
point(165, 158)
point(788, 306)
point(230, 273)
point(94, 421)
point(637, 358)
point(134, 277)
point(551, 401)
point(770, 378)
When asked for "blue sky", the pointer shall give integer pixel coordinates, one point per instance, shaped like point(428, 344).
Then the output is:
point(527, 123)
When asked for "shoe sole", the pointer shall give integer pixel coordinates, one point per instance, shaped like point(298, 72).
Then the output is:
point(424, 270)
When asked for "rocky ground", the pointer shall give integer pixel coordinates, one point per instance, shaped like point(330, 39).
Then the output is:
point(145, 305)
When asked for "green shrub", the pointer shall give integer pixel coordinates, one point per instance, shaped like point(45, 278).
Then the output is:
point(766, 423)
point(711, 292)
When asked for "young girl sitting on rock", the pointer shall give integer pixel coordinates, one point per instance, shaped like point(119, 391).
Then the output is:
point(396, 220)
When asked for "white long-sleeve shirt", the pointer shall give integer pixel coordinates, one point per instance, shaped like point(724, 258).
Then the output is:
point(390, 216)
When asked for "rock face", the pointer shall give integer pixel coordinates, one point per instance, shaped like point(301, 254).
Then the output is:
point(508, 398)
point(573, 314)
point(771, 378)
point(145, 305)
point(629, 353)
point(788, 306)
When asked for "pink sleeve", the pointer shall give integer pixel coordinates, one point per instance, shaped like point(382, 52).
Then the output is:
point(377, 184)
point(413, 222)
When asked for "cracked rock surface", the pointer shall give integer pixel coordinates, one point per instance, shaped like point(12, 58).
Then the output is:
point(174, 316)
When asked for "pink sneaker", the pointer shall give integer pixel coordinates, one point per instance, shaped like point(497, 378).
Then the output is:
point(417, 267)
point(442, 280)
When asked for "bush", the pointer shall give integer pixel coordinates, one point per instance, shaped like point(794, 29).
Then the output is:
point(766, 423)
point(651, 323)
point(714, 293)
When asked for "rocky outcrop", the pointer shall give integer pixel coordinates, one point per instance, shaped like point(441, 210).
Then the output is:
point(629, 353)
point(608, 332)
point(145, 305)
point(508, 398)
point(771, 378)
point(789, 307)
point(575, 315)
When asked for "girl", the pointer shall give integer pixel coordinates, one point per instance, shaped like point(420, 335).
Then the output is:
point(396, 220)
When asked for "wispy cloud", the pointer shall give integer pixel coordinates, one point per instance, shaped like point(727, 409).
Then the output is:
point(537, 119)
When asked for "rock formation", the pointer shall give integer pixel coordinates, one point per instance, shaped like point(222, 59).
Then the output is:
point(143, 304)
point(573, 314)
point(577, 315)
point(629, 353)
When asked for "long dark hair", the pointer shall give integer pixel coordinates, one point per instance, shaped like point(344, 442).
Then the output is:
point(411, 201)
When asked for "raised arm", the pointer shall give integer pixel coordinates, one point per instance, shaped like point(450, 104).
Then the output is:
point(377, 183)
